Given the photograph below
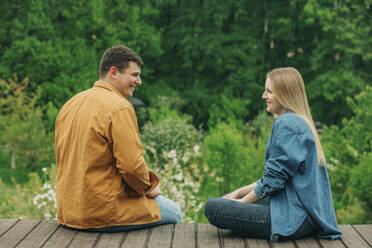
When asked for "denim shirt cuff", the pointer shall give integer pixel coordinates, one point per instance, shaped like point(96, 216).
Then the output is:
point(259, 190)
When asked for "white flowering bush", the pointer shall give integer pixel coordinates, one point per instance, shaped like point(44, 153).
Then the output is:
point(35, 199)
point(167, 135)
point(172, 150)
point(181, 183)
point(45, 200)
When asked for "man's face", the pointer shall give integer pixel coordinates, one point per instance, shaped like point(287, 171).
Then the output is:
point(273, 105)
point(126, 81)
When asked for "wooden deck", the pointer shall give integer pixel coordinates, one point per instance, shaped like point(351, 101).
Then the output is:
point(36, 233)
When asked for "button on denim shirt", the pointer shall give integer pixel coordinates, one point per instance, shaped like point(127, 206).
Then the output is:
point(298, 186)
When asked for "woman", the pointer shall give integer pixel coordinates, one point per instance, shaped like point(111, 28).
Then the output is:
point(293, 198)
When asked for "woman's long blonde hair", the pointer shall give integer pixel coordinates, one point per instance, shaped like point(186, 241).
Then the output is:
point(289, 88)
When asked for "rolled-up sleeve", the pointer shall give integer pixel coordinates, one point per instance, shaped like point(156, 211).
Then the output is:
point(128, 152)
point(286, 156)
point(259, 190)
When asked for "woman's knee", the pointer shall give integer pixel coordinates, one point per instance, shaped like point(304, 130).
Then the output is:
point(217, 207)
point(210, 206)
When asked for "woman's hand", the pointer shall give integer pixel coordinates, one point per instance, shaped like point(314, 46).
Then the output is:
point(244, 194)
point(238, 200)
point(233, 195)
point(241, 192)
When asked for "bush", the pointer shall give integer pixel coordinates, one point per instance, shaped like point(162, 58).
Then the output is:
point(172, 150)
point(181, 183)
point(9, 176)
point(23, 138)
point(169, 134)
point(228, 108)
point(347, 148)
point(34, 199)
point(361, 178)
point(224, 155)
point(257, 133)
point(235, 155)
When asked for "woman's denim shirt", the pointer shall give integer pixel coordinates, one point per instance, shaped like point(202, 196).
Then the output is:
point(298, 186)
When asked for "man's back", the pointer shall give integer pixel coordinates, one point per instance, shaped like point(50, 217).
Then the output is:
point(100, 160)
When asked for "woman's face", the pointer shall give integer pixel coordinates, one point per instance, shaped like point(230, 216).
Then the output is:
point(272, 104)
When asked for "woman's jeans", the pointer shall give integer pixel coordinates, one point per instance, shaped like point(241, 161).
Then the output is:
point(248, 220)
point(170, 214)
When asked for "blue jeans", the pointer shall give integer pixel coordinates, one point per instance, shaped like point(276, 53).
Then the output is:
point(170, 213)
point(248, 220)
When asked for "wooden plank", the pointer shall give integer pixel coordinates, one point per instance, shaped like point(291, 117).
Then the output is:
point(5, 224)
point(283, 244)
point(161, 236)
point(61, 238)
point(33, 233)
point(351, 238)
point(136, 238)
point(18, 232)
point(184, 235)
point(231, 240)
point(257, 243)
point(108, 240)
point(307, 243)
point(84, 240)
point(365, 231)
point(207, 236)
point(327, 243)
point(39, 235)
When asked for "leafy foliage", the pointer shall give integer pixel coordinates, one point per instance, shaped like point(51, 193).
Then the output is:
point(214, 54)
point(224, 152)
point(205, 67)
point(348, 151)
point(235, 155)
point(172, 151)
point(35, 199)
point(168, 131)
point(340, 58)
point(23, 138)
point(66, 47)
point(361, 178)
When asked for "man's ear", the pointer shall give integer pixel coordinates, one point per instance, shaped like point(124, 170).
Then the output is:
point(113, 73)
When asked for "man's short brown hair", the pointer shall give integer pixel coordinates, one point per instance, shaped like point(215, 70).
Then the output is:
point(118, 56)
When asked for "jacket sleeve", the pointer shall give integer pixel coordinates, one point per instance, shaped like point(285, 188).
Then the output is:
point(128, 152)
point(285, 159)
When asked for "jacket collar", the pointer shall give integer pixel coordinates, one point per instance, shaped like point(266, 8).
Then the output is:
point(108, 86)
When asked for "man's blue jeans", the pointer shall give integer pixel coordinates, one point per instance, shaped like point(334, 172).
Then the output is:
point(248, 220)
point(170, 214)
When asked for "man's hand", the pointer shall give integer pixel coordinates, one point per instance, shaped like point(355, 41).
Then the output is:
point(154, 193)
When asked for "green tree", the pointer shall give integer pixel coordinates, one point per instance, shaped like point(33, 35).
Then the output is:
point(23, 137)
point(213, 49)
point(341, 57)
point(59, 45)
point(347, 149)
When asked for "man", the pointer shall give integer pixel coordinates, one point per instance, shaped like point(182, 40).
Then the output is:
point(103, 183)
